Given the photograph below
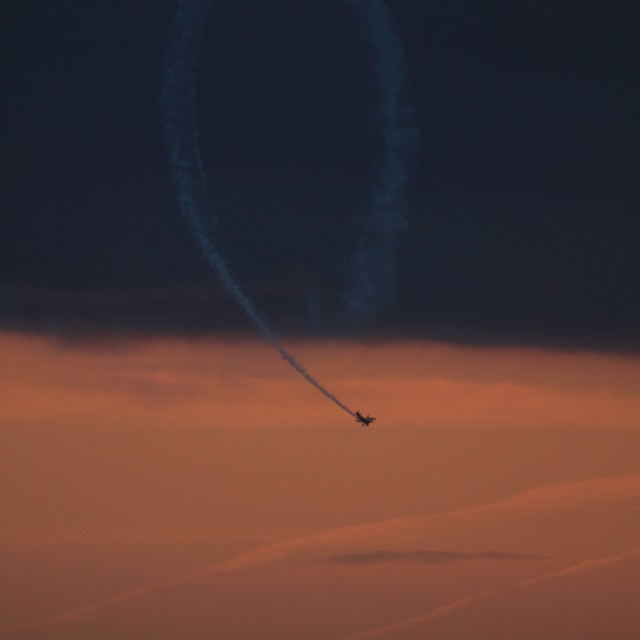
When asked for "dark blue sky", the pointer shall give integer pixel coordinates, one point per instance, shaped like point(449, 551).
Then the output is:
point(523, 205)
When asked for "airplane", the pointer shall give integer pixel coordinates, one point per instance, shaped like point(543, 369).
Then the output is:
point(365, 421)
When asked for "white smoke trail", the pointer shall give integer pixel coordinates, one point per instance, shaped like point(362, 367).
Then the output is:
point(178, 110)
point(373, 269)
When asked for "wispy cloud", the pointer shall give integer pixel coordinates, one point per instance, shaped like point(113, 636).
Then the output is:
point(546, 499)
point(452, 607)
point(550, 498)
point(425, 557)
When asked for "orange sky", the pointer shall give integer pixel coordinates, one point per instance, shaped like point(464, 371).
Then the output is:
point(217, 384)
point(201, 489)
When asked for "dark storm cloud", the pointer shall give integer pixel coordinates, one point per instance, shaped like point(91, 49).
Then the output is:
point(522, 211)
point(425, 557)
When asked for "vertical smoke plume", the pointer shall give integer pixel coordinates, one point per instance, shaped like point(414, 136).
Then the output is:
point(177, 105)
point(372, 271)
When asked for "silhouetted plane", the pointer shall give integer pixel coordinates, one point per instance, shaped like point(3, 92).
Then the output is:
point(365, 421)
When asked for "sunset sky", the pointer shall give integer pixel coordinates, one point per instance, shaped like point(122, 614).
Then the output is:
point(433, 206)
point(163, 487)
